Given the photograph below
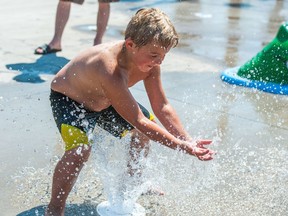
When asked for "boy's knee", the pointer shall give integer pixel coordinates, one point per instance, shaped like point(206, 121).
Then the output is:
point(78, 155)
point(140, 138)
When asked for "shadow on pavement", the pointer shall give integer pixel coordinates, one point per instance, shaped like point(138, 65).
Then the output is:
point(30, 72)
point(71, 210)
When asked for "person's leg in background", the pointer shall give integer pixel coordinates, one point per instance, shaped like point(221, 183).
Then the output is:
point(102, 20)
point(62, 16)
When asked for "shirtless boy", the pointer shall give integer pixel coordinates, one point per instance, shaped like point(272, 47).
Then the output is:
point(93, 89)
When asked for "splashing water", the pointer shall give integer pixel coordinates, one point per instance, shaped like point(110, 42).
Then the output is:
point(248, 176)
point(121, 189)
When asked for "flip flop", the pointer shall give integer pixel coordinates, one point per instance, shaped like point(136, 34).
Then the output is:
point(46, 49)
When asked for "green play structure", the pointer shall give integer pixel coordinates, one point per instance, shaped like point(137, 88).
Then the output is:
point(268, 70)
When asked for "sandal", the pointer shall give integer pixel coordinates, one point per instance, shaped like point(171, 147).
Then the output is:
point(45, 49)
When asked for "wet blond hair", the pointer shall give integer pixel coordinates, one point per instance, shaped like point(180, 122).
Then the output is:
point(151, 25)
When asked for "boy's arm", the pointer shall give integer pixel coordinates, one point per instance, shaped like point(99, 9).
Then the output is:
point(168, 116)
point(162, 108)
point(122, 100)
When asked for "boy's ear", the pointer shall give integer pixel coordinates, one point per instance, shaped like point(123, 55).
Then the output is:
point(129, 43)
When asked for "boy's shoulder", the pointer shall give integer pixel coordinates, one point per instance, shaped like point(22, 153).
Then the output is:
point(107, 52)
point(99, 57)
point(109, 48)
point(103, 60)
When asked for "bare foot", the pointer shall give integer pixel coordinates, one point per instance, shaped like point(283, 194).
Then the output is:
point(154, 191)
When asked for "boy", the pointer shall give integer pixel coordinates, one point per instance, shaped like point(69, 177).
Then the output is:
point(93, 89)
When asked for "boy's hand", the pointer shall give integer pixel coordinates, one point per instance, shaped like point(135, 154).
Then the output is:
point(197, 149)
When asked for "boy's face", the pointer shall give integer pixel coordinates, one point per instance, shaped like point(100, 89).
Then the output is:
point(148, 56)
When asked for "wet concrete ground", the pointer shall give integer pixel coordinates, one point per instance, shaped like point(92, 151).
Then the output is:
point(249, 128)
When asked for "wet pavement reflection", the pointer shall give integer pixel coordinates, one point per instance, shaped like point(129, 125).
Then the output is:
point(230, 31)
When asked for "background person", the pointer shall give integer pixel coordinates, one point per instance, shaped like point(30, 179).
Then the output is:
point(62, 16)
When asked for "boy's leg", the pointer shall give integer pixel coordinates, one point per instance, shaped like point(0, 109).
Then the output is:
point(102, 21)
point(65, 176)
point(139, 148)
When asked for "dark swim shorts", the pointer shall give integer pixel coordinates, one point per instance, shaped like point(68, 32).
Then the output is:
point(74, 120)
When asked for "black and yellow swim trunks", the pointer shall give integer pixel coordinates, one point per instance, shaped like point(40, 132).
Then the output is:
point(74, 120)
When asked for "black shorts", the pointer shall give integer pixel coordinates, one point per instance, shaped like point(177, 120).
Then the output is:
point(69, 112)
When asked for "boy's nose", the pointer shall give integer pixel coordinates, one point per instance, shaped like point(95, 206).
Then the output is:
point(158, 61)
